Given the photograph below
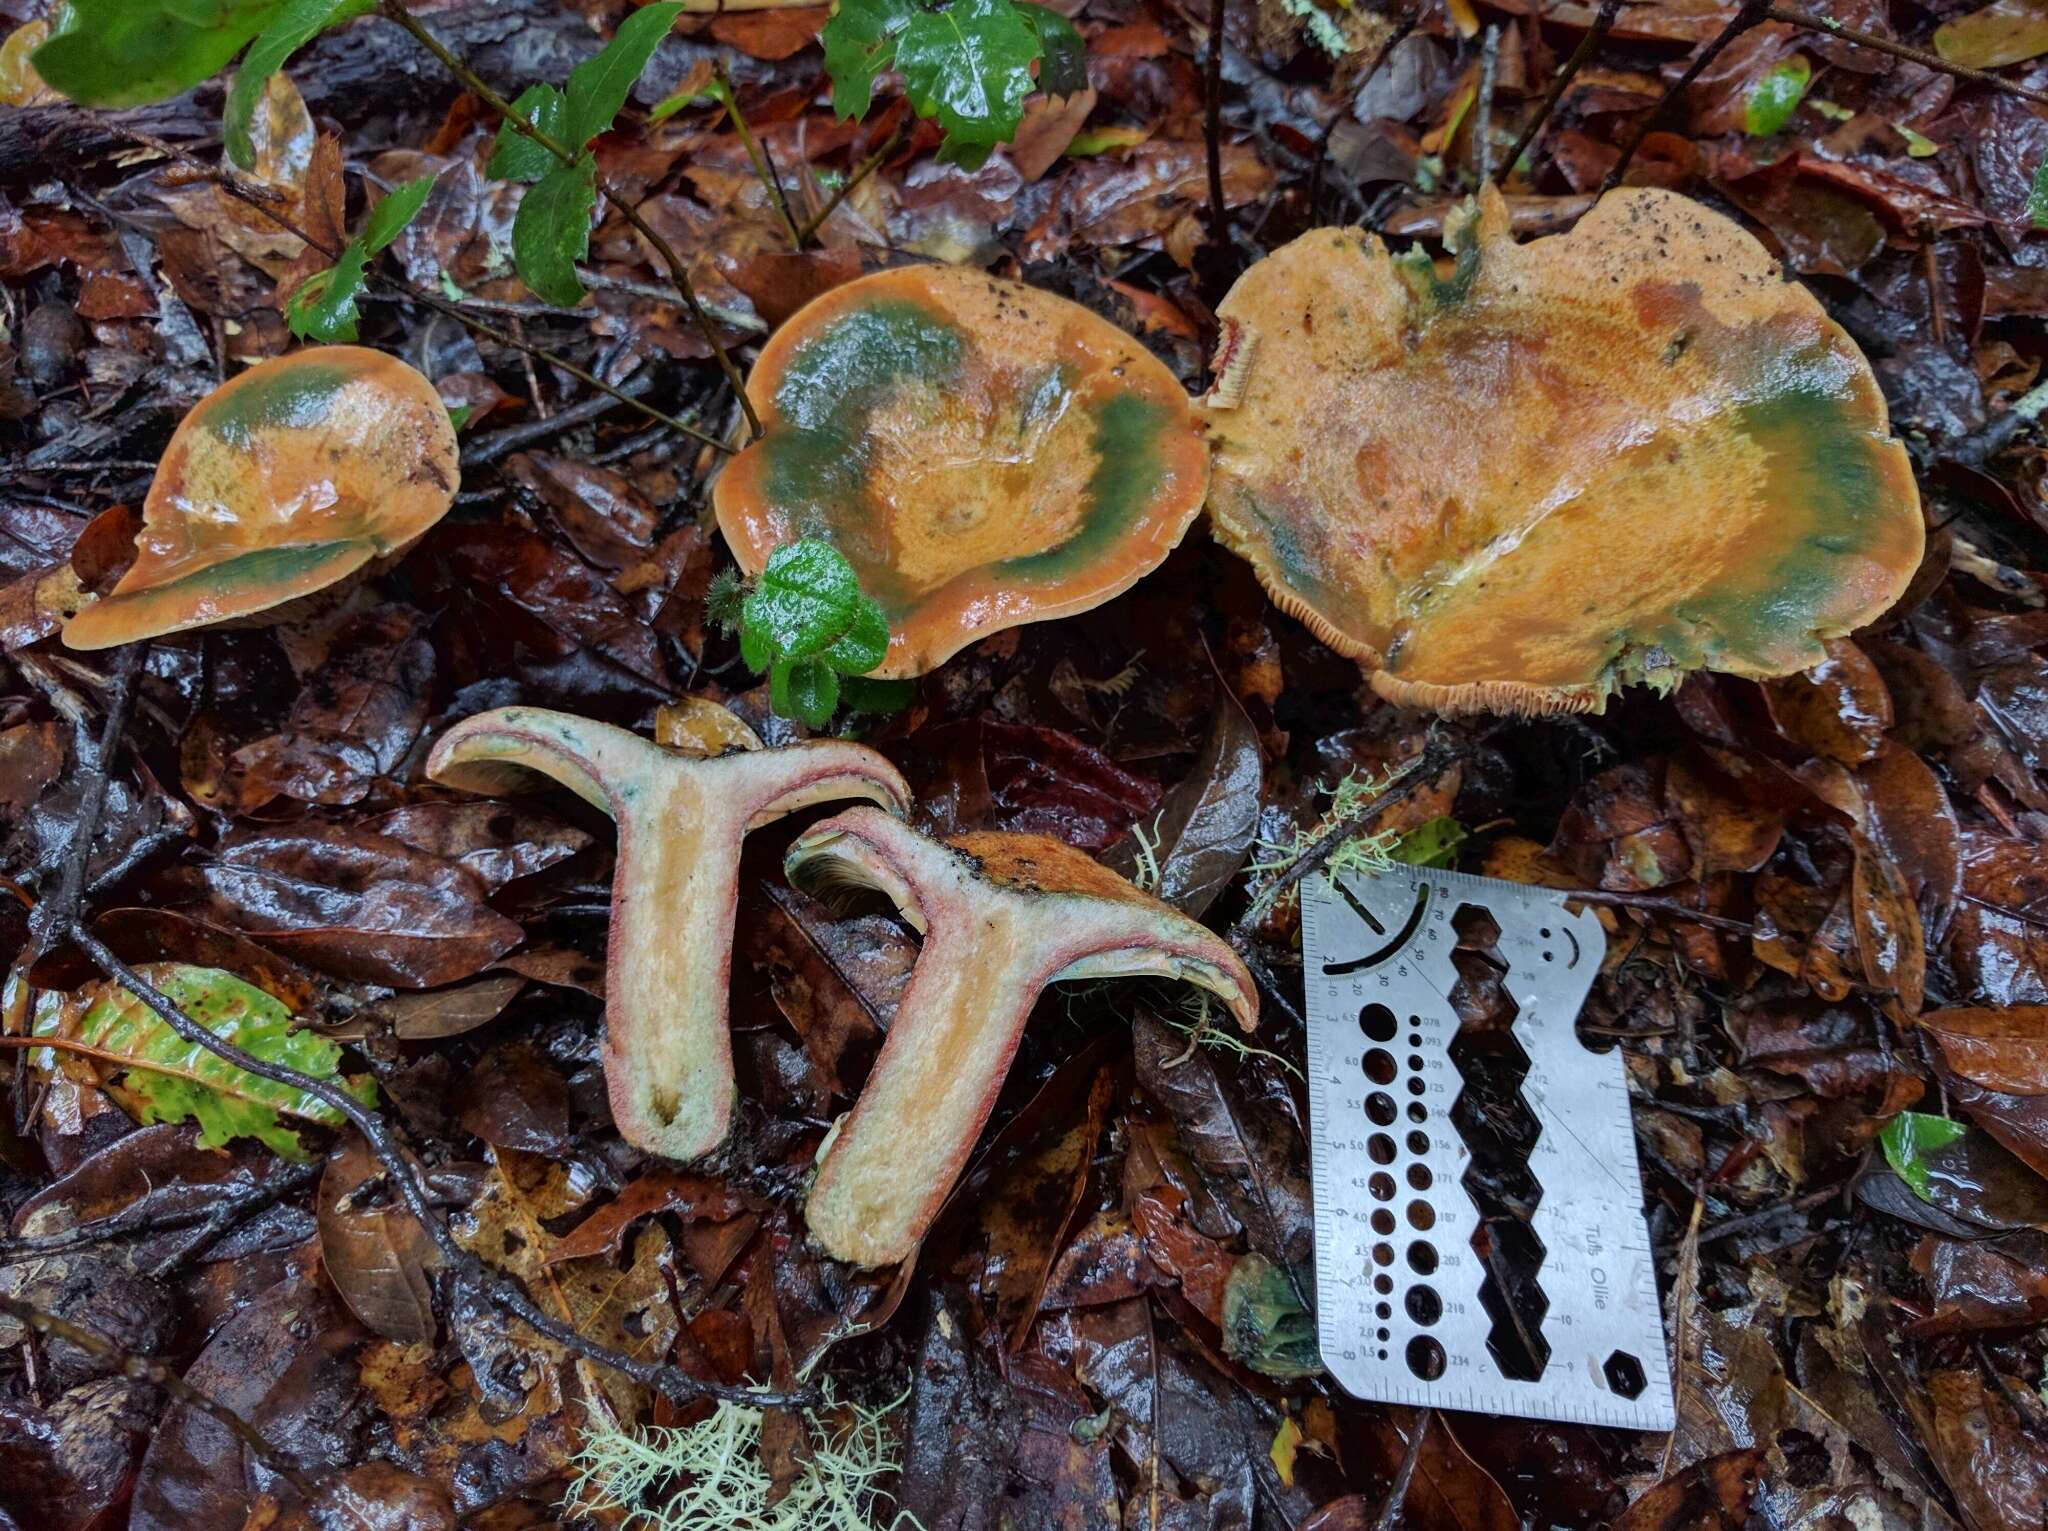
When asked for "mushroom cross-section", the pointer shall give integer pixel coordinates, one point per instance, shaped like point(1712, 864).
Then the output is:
point(1003, 915)
point(984, 454)
point(278, 483)
point(1608, 456)
point(668, 1057)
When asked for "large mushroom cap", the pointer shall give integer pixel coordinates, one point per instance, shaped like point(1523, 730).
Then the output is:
point(984, 454)
point(288, 478)
point(1607, 456)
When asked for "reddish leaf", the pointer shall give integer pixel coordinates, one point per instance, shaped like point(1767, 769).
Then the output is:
point(698, 1198)
point(372, 1248)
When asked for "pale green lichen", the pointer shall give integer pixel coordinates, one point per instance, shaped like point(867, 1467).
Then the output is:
point(1325, 32)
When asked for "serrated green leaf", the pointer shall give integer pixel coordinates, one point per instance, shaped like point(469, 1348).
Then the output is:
point(970, 67)
point(324, 306)
point(128, 52)
point(167, 1079)
point(807, 689)
point(757, 649)
point(514, 156)
point(860, 43)
point(1911, 1140)
point(864, 644)
point(297, 24)
point(1776, 96)
point(2037, 199)
point(1063, 52)
point(807, 599)
point(552, 231)
point(389, 217)
point(599, 85)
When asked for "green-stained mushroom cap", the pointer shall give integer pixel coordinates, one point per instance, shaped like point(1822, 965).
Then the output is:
point(290, 477)
point(1608, 456)
point(982, 453)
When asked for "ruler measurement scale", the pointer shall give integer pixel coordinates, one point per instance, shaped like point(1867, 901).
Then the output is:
point(1400, 1313)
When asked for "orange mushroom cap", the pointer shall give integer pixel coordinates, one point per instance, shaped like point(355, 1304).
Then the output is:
point(983, 454)
point(277, 484)
point(1607, 456)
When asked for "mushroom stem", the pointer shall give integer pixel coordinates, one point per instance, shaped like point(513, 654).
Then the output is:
point(668, 1055)
point(1002, 916)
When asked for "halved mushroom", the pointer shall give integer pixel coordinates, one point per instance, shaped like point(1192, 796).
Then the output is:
point(1607, 456)
point(278, 483)
point(1003, 915)
point(983, 453)
point(668, 1058)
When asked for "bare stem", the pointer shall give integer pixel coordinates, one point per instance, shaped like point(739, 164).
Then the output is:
point(1482, 122)
point(762, 167)
point(1212, 128)
point(1397, 1495)
point(1602, 23)
point(1751, 12)
point(1907, 51)
point(476, 85)
point(866, 168)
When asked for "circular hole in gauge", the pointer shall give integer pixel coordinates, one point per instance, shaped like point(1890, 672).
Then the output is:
point(1380, 1066)
point(1386, 1334)
point(1544, 932)
point(1378, 1022)
point(1380, 1107)
point(1381, 1185)
point(1425, 1358)
point(1421, 1216)
point(1415, 1061)
point(1419, 1176)
point(1422, 1257)
point(1414, 1039)
point(1383, 1355)
point(1417, 1084)
point(1383, 1309)
point(1418, 1142)
point(1382, 1221)
point(1383, 1284)
point(1423, 1305)
point(1417, 1111)
point(1383, 1254)
point(1381, 1147)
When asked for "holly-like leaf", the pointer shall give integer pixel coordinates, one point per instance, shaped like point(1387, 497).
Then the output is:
point(969, 66)
point(860, 43)
point(807, 599)
point(324, 307)
point(552, 231)
point(1063, 59)
point(128, 52)
point(864, 644)
point(298, 23)
point(1776, 97)
point(804, 688)
point(515, 157)
point(164, 1078)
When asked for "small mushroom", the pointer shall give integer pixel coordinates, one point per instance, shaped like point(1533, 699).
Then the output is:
point(292, 476)
point(668, 1058)
point(1611, 455)
point(1003, 915)
point(984, 454)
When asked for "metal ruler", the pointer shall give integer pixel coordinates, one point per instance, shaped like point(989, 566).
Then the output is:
point(1545, 1305)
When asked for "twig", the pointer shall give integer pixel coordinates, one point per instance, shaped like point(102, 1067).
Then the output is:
point(866, 168)
point(1750, 13)
point(763, 168)
point(138, 1368)
point(1656, 905)
point(1411, 14)
point(55, 914)
point(133, 1222)
point(475, 84)
point(1212, 128)
point(1397, 1496)
point(1907, 51)
point(1602, 22)
point(1482, 121)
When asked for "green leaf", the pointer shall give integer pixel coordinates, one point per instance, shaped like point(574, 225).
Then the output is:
point(389, 217)
point(1776, 97)
point(297, 24)
point(128, 52)
point(864, 644)
point(807, 689)
point(1918, 145)
point(1431, 844)
point(168, 1079)
point(324, 307)
point(1063, 60)
point(969, 66)
point(515, 157)
point(552, 231)
point(599, 85)
point(1264, 1323)
point(1911, 1139)
point(2037, 199)
point(860, 43)
point(807, 599)
point(458, 415)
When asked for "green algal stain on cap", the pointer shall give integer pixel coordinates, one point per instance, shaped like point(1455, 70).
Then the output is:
point(292, 397)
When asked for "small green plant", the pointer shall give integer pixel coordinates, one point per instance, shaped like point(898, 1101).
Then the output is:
point(969, 64)
point(2037, 197)
point(1776, 97)
point(709, 1476)
point(1911, 1140)
point(324, 305)
point(806, 624)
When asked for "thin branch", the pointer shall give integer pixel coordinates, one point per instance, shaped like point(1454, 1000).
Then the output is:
point(1410, 16)
point(139, 1368)
point(1656, 905)
point(1397, 1495)
point(134, 1221)
point(1751, 12)
point(866, 168)
point(1907, 51)
point(1602, 23)
point(762, 166)
point(55, 914)
point(476, 85)
point(1482, 122)
point(1212, 128)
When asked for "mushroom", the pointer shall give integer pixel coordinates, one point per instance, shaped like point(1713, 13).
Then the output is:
point(668, 1058)
point(277, 484)
point(1003, 915)
point(984, 454)
point(1607, 456)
